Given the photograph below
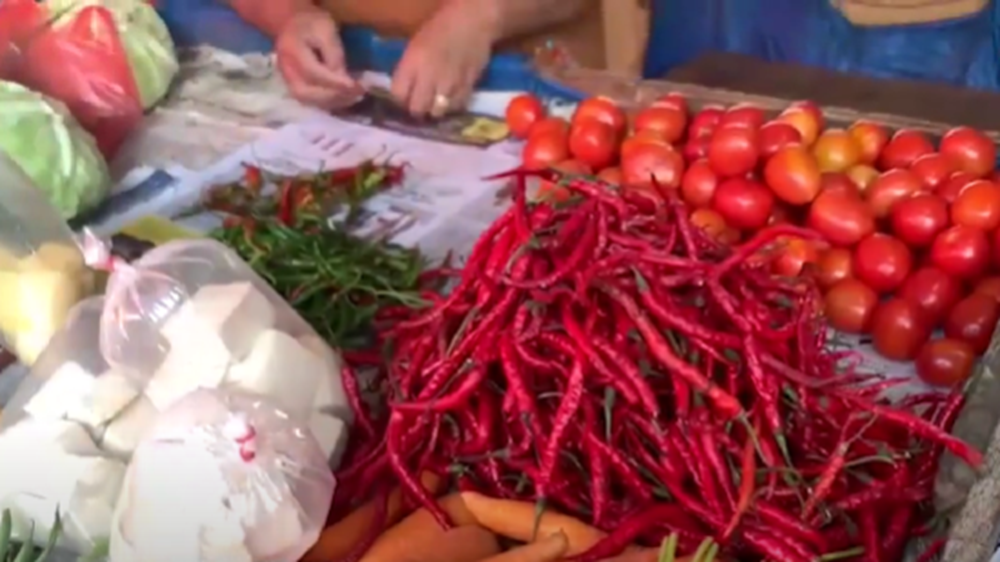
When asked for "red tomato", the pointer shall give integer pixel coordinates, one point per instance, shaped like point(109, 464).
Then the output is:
point(933, 291)
point(705, 121)
point(745, 115)
point(840, 183)
point(916, 220)
point(889, 188)
point(602, 109)
point(544, 150)
point(904, 148)
point(834, 265)
point(639, 139)
point(934, 169)
point(849, 305)
point(710, 221)
point(996, 247)
point(950, 188)
point(669, 122)
point(673, 99)
point(973, 320)
point(792, 174)
point(989, 286)
point(970, 150)
point(775, 135)
point(594, 143)
point(795, 255)
point(977, 205)
point(550, 125)
point(699, 183)
point(805, 121)
point(653, 162)
point(863, 176)
point(961, 251)
point(882, 262)
point(523, 112)
point(945, 362)
point(871, 137)
point(611, 175)
point(733, 151)
point(836, 150)
point(898, 330)
point(842, 219)
point(743, 203)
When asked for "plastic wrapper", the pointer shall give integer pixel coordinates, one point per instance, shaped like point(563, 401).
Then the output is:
point(42, 272)
point(55, 152)
point(107, 60)
point(191, 314)
point(223, 476)
point(53, 426)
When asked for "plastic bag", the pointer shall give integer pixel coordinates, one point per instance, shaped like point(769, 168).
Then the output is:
point(72, 381)
point(64, 425)
point(78, 57)
point(191, 314)
point(223, 476)
point(42, 272)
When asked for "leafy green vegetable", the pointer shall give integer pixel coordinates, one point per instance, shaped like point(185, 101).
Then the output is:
point(11, 551)
point(46, 142)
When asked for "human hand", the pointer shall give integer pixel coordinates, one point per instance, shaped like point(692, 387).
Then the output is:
point(311, 59)
point(443, 60)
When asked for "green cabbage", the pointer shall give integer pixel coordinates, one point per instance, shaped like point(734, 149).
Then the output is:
point(144, 37)
point(61, 158)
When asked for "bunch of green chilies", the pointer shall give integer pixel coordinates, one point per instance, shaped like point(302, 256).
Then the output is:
point(605, 358)
point(336, 281)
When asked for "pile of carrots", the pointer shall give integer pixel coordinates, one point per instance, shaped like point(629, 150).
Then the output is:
point(604, 358)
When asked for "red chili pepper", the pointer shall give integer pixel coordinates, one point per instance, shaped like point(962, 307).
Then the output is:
point(868, 524)
point(253, 179)
point(748, 484)
point(286, 202)
point(564, 417)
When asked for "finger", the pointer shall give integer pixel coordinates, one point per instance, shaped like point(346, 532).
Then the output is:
point(313, 68)
point(331, 56)
point(449, 95)
point(307, 93)
point(403, 81)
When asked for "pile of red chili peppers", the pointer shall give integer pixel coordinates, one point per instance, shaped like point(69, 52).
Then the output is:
point(604, 358)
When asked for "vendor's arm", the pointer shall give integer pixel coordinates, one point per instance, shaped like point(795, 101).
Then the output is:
point(510, 18)
point(270, 16)
point(445, 57)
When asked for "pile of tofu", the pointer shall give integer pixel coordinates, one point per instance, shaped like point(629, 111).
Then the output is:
point(83, 426)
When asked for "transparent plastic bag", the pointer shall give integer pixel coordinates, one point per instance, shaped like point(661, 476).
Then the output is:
point(191, 314)
point(223, 476)
point(42, 272)
point(71, 381)
point(77, 57)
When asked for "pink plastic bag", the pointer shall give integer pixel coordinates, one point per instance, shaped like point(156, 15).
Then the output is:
point(222, 476)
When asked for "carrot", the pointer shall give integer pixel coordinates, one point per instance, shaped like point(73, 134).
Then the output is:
point(337, 540)
point(516, 520)
point(420, 526)
point(470, 543)
point(549, 549)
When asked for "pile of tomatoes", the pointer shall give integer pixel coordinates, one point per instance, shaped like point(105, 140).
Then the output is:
point(912, 227)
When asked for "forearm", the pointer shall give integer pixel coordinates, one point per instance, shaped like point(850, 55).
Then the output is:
point(510, 18)
point(269, 15)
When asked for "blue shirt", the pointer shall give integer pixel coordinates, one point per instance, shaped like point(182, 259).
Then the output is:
point(962, 52)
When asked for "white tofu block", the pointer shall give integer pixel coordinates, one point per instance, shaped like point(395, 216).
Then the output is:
point(217, 327)
point(123, 434)
point(221, 317)
point(277, 533)
point(281, 368)
point(330, 396)
point(58, 468)
point(331, 434)
point(109, 395)
point(63, 392)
